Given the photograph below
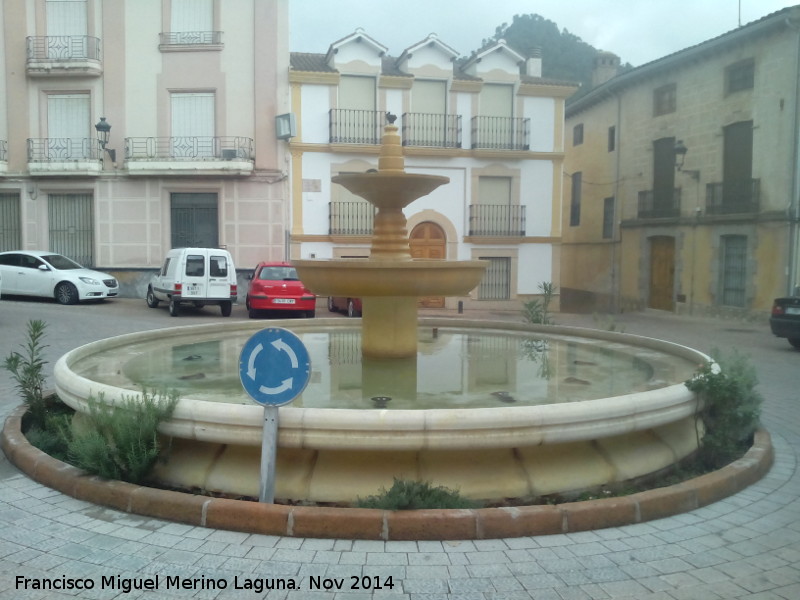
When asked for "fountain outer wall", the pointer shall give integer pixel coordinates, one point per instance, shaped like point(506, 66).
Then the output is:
point(337, 455)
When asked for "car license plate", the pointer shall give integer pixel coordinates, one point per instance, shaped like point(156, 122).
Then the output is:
point(191, 289)
point(283, 301)
point(793, 310)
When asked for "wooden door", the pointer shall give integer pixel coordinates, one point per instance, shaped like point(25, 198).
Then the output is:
point(427, 240)
point(662, 273)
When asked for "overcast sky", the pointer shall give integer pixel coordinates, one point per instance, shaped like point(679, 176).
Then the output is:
point(639, 31)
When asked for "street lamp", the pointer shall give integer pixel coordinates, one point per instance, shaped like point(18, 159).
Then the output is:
point(680, 156)
point(103, 128)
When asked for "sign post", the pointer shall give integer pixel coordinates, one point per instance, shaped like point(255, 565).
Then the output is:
point(274, 368)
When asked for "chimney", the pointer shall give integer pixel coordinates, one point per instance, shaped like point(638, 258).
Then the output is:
point(605, 67)
point(533, 65)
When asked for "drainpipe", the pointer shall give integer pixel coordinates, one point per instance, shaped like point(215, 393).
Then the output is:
point(616, 232)
point(794, 205)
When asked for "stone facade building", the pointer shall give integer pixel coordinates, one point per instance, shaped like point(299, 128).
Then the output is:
point(682, 178)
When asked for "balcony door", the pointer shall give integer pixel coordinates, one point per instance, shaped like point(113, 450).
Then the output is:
point(357, 120)
point(192, 125)
point(664, 176)
point(191, 21)
point(737, 165)
point(496, 127)
point(66, 29)
point(68, 127)
point(429, 113)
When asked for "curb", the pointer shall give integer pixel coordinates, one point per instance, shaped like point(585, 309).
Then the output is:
point(374, 524)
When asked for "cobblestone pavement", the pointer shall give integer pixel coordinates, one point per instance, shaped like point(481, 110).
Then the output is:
point(747, 546)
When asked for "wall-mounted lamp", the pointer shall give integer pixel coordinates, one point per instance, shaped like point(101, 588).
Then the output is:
point(680, 156)
point(103, 128)
point(285, 126)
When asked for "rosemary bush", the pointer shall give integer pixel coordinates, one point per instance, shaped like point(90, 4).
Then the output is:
point(412, 495)
point(120, 442)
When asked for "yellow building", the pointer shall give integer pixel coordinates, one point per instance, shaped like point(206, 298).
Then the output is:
point(682, 179)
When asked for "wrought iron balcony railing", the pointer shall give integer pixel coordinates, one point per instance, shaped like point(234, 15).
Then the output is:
point(351, 218)
point(654, 205)
point(3, 149)
point(63, 149)
point(733, 198)
point(500, 133)
point(349, 126)
point(496, 220)
point(63, 48)
point(432, 130)
point(185, 148)
point(191, 38)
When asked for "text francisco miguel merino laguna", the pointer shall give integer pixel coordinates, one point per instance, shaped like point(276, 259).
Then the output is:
point(175, 582)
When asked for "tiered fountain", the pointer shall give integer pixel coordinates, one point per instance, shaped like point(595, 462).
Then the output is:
point(607, 407)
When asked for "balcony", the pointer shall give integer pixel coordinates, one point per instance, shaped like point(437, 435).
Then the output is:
point(659, 205)
point(189, 154)
point(350, 126)
point(500, 133)
point(431, 130)
point(72, 55)
point(177, 41)
point(351, 218)
point(733, 198)
point(496, 220)
point(64, 156)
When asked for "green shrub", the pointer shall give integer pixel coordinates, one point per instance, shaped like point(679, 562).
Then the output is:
point(731, 408)
point(120, 442)
point(538, 311)
point(27, 370)
point(412, 495)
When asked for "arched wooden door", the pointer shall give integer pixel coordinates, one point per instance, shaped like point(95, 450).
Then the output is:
point(428, 240)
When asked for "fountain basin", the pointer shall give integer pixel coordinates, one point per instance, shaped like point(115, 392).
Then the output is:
point(380, 278)
point(337, 455)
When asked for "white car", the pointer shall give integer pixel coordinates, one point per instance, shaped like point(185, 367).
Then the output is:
point(51, 275)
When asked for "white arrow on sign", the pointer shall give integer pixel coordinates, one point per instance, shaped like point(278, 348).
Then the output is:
point(285, 385)
point(251, 364)
point(281, 345)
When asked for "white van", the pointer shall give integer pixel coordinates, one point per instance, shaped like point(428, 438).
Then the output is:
point(196, 276)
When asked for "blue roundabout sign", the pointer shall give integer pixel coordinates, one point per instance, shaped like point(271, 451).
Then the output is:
point(274, 366)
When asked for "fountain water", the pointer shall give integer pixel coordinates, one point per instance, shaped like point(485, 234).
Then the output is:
point(514, 447)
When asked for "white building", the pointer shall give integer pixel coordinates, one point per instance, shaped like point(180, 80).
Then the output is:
point(190, 89)
point(490, 123)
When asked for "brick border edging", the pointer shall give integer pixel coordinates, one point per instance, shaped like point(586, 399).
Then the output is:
point(375, 524)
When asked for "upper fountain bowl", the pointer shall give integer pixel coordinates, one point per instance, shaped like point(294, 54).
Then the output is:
point(390, 190)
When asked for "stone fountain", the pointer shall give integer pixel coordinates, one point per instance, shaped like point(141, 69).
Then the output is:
point(514, 447)
point(390, 282)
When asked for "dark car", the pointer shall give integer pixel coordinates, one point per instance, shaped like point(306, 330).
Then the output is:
point(276, 286)
point(785, 319)
point(349, 306)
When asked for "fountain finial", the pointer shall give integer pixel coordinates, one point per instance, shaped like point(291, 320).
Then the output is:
point(391, 156)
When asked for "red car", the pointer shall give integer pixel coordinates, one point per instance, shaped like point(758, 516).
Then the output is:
point(275, 286)
point(350, 306)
